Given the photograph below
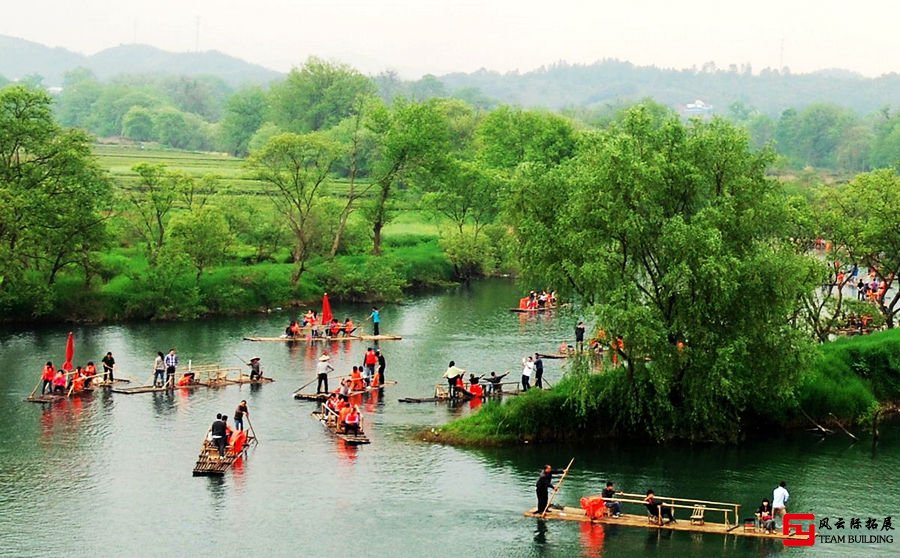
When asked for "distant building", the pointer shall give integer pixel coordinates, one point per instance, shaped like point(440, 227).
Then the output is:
point(697, 107)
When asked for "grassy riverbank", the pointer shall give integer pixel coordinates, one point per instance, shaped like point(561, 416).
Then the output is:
point(848, 380)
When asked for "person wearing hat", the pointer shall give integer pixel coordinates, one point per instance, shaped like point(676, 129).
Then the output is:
point(255, 372)
point(322, 370)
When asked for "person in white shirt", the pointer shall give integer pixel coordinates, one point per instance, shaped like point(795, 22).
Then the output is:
point(452, 374)
point(779, 500)
point(322, 370)
point(527, 370)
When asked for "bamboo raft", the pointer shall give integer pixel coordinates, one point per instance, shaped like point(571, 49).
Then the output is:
point(328, 418)
point(555, 355)
point(107, 383)
point(210, 464)
point(310, 396)
point(308, 338)
point(530, 310)
point(442, 393)
point(210, 376)
point(695, 523)
point(53, 397)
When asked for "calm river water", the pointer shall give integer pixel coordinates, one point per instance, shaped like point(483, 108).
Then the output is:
point(110, 475)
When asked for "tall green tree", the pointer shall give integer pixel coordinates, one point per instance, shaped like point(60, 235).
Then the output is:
point(317, 96)
point(676, 239)
point(203, 235)
point(296, 169)
point(53, 195)
point(411, 138)
point(865, 221)
point(245, 112)
point(150, 203)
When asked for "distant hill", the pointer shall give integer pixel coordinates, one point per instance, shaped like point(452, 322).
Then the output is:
point(19, 58)
point(610, 81)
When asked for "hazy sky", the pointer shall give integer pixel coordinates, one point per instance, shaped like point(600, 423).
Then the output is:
point(439, 36)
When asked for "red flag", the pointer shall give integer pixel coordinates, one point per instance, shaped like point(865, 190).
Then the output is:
point(70, 353)
point(326, 310)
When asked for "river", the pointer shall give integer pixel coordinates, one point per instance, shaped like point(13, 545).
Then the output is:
point(110, 474)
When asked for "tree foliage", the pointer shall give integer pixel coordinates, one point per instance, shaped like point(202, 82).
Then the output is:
point(52, 196)
point(670, 233)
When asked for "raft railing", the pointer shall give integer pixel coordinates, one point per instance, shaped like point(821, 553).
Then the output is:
point(443, 390)
point(684, 503)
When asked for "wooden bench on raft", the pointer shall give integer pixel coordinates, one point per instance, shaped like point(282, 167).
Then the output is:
point(698, 508)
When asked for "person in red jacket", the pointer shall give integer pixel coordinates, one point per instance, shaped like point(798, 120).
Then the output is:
point(370, 361)
point(47, 378)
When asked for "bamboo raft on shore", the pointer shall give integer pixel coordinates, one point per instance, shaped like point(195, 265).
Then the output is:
point(324, 338)
point(311, 396)
point(442, 393)
point(696, 522)
point(328, 418)
point(209, 463)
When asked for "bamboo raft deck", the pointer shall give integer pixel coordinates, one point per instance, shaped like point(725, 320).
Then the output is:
point(631, 520)
point(53, 397)
point(209, 376)
point(209, 464)
point(442, 394)
point(531, 310)
point(311, 396)
point(325, 339)
point(331, 425)
point(109, 384)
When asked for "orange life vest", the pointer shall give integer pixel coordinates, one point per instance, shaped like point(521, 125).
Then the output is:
point(59, 380)
point(356, 381)
point(342, 416)
point(348, 327)
point(90, 370)
point(49, 373)
point(352, 417)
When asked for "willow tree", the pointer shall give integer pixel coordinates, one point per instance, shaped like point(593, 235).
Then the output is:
point(295, 169)
point(676, 239)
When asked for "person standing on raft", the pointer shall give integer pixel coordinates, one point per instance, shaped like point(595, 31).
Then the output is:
point(219, 434)
point(255, 371)
point(451, 375)
point(47, 377)
point(239, 413)
point(543, 485)
point(109, 364)
point(323, 368)
point(375, 316)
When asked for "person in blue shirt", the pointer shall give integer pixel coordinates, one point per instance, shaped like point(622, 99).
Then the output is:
point(375, 316)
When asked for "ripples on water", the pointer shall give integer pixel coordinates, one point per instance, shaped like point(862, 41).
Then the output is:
point(110, 475)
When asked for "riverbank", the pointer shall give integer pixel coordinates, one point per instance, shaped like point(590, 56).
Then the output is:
point(124, 287)
point(848, 382)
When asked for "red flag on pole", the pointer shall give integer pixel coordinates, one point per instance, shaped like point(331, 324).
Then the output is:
point(326, 310)
point(70, 353)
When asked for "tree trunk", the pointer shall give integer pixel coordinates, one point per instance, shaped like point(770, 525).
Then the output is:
point(342, 224)
point(376, 236)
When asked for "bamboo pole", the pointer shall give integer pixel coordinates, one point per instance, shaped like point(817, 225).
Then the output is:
point(556, 490)
point(251, 429)
point(706, 502)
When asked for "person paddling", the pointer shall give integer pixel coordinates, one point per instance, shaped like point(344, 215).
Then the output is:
point(47, 377)
point(545, 484)
point(109, 364)
point(255, 370)
point(239, 413)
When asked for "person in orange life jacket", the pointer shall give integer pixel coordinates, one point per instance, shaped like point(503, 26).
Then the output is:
point(334, 328)
point(342, 416)
point(348, 327)
point(370, 361)
point(351, 421)
point(59, 382)
point(47, 376)
point(78, 380)
point(90, 371)
point(356, 380)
